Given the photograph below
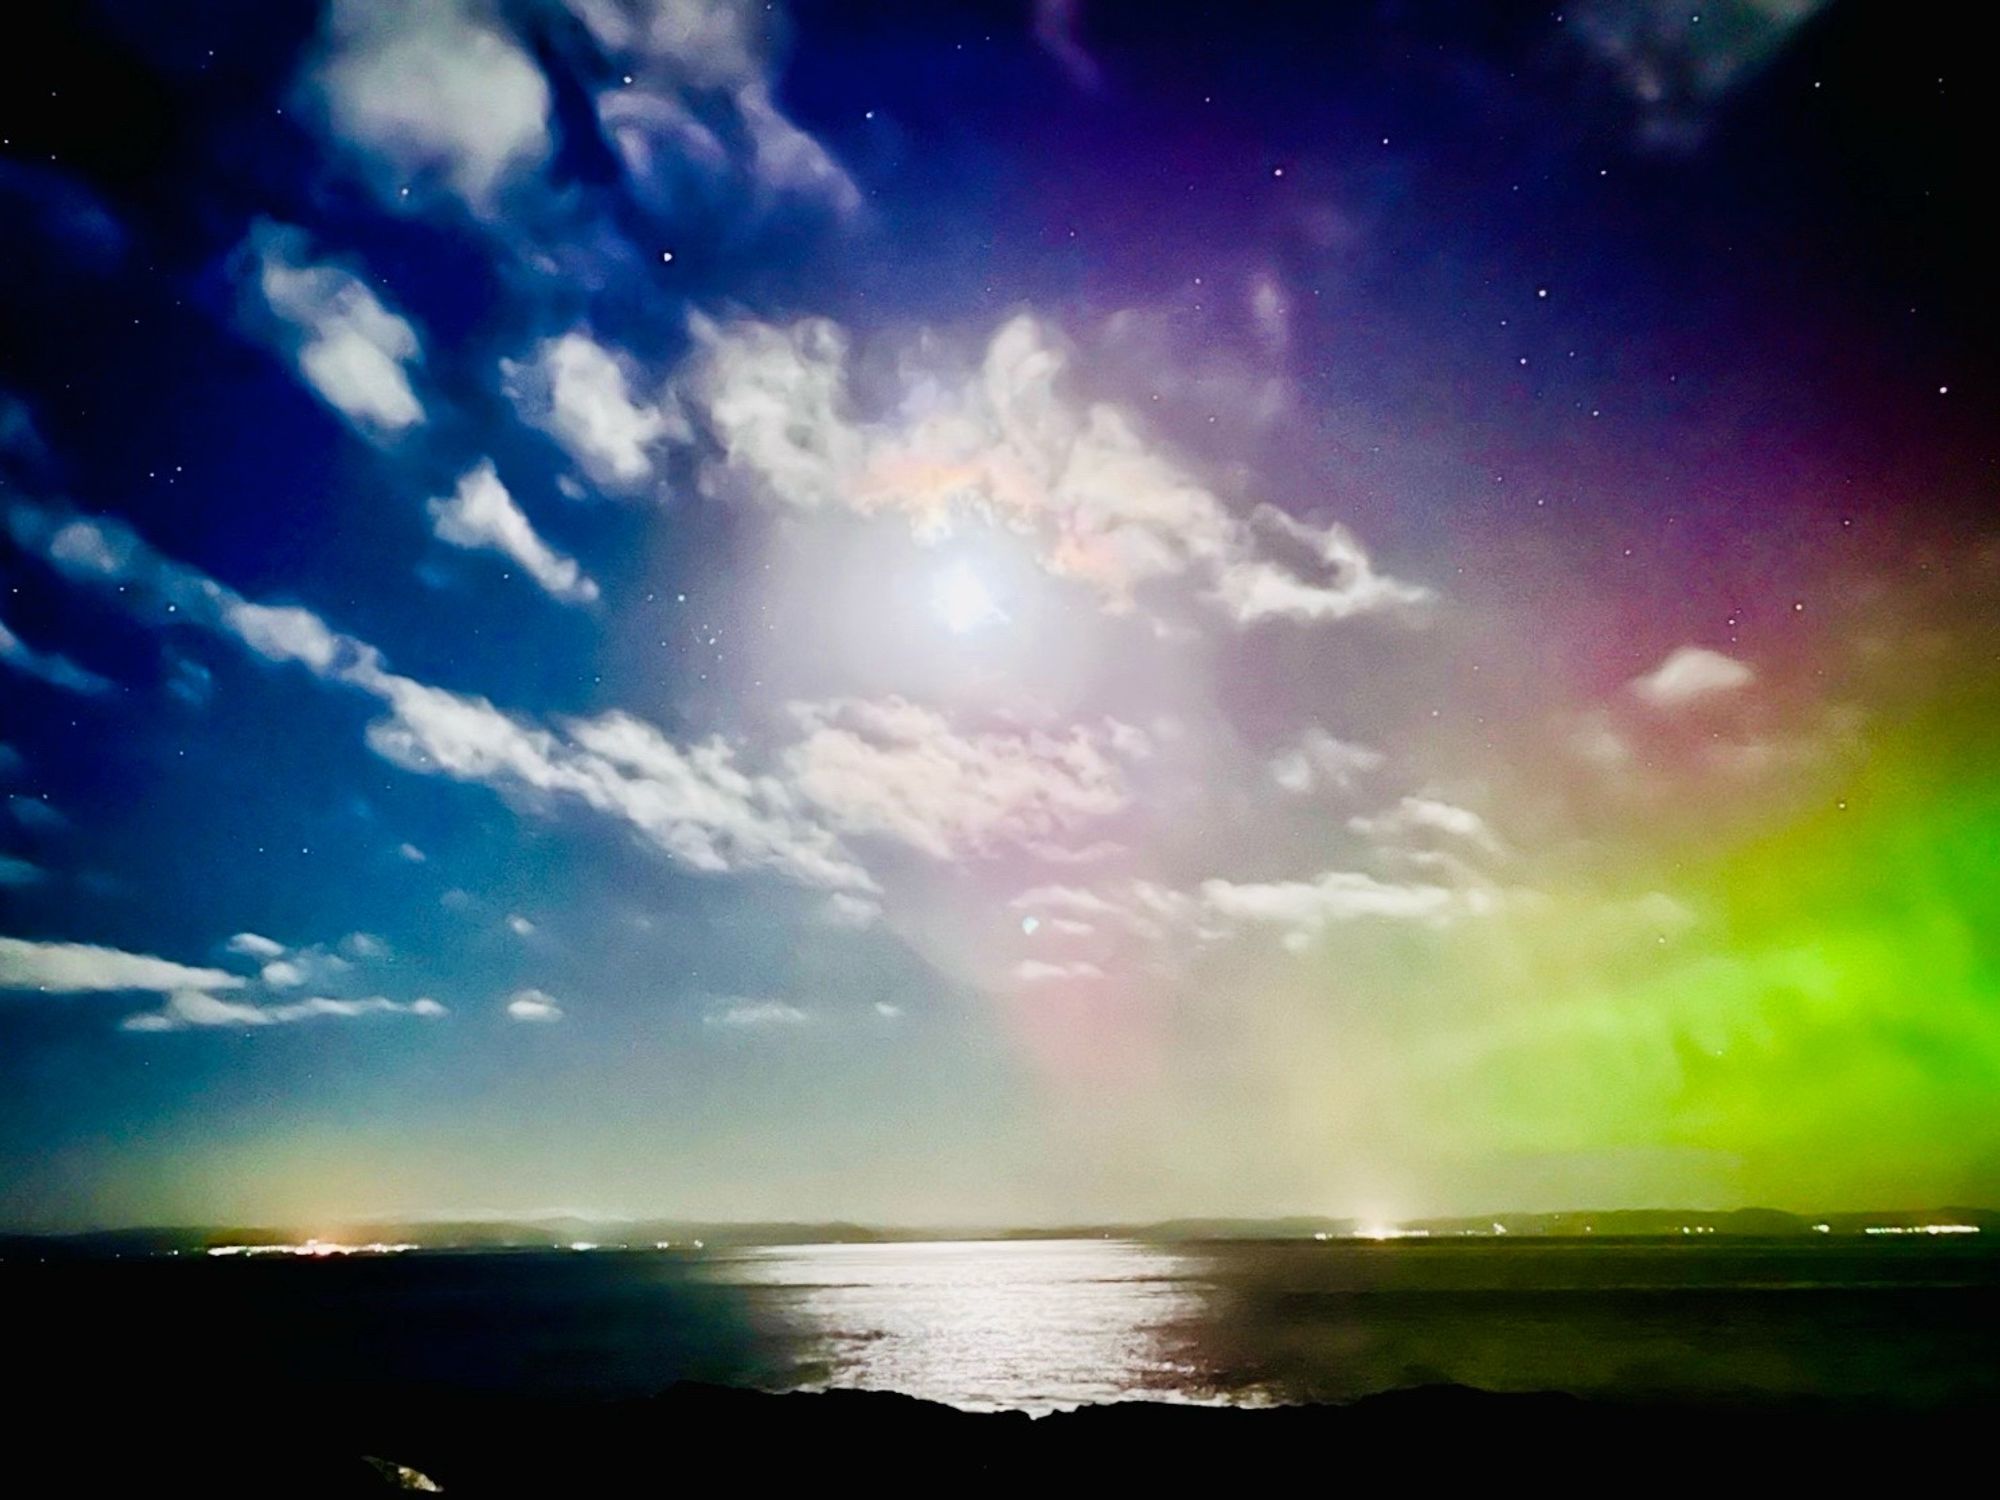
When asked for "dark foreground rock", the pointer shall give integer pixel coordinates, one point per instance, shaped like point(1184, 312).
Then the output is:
point(712, 1439)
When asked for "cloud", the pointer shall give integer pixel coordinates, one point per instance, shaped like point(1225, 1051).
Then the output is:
point(255, 945)
point(18, 872)
point(1301, 909)
point(282, 974)
point(520, 926)
point(580, 393)
point(1270, 312)
point(1679, 73)
point(683, 60)
point(1337, 581)
point(348, 347)
point(35, 813)
point(441, 90)
point(694, 802)
point(747, 1015)
point(365, 947)
point(412, 854)
point(1040, 971)
point(887, 1011)
point(1003, 444)
point(895, 769)
point(481, 514)
point(1318, 759)
point(533, 1005)
point(84, 968)
point(1142, 908)
point(844, 909)
point(1415, 821)
point(50, 667)
point(1057, 23)
point(1690, 673)
point(187, 1009)
point(788, 159)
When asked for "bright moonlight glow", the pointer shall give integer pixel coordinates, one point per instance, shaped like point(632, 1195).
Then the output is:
point(962, 600)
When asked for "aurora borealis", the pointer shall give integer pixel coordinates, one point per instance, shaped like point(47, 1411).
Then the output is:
point(995, 613)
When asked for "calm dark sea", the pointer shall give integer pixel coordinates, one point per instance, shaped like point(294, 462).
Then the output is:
point(1038, 1325)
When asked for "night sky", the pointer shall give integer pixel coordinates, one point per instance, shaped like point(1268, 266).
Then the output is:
point(995, 613)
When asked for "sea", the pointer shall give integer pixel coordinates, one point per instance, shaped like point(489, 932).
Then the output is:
point(1039, 1325)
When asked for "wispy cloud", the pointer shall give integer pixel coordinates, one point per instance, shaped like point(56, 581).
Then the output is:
point(85, 968)
point(895, 769)
point(1317, 760)
point(49, 666)
point(533, 1006)
point(350, 349)
point(751, 1015)
point(480, 514)
point(187, 1009)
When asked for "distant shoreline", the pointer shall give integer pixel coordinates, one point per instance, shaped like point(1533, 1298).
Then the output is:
point(571, 1233)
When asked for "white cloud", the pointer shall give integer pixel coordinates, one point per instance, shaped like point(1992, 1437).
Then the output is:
point(887, 1011)
point(83, 968)
point(50, 667)
point(195, 1008)
point(438, 88)
point(1003, 444)
point(412, 854)
point(364, 946)
point(255, 945)
point(788, 159)
point(284, 633)
point(895, 769)
point(1318, 759)
point(581, 394)
point(1065, 898)
point(1270, 311)
point(1592, 737)
point(1142, 908)
point(533, 1005)
point(520, 926)
point(1336, 582)
point(748, 1015)
point(694, 802)
point(282, 974)
point(1690, 673)
point(481, 514)
point(709, 43)
point(1301, 909)
point(845, 909)
point(1040, 971)
point(1420, 820)
point(348, 347)
point(679, 58)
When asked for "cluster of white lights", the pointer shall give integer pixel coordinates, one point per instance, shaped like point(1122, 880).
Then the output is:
point(315, 1249)
point(1921, 1229)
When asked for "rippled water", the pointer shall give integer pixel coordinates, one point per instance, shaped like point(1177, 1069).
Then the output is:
point(1033, 1325)
point(1038, 1324)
